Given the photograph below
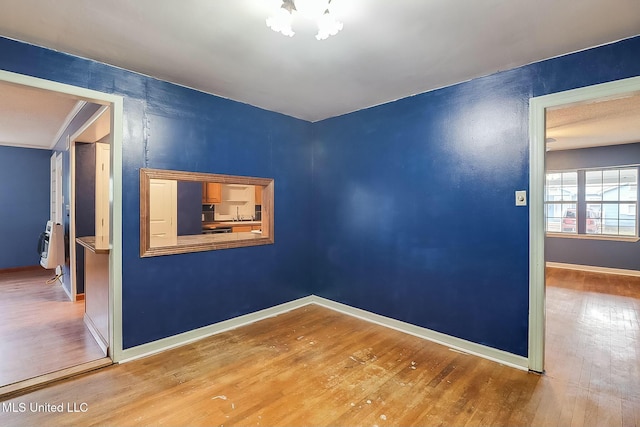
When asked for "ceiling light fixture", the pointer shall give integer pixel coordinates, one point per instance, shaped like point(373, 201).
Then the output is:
point(316, 10)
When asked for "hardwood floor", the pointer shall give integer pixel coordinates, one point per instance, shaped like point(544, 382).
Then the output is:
point(41, 331)
point(593, 343)
point(314, 366)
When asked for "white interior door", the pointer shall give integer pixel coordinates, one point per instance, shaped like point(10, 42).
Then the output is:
point(163, 212)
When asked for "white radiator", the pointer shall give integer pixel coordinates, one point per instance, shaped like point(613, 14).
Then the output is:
point(51, 246)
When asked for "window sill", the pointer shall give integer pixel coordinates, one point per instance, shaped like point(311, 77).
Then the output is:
point(631, 239)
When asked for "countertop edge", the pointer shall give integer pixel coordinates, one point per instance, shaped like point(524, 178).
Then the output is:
point(89, 242)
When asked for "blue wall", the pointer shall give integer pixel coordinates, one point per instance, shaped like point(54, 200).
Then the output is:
point(85, 203)
point(406, 209)
point(414, 200)
point(189, 208)
point(599, 253)
point(171, 127)
point(24, 191)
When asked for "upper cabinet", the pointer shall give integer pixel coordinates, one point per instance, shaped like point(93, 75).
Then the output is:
point(211, 193)
point(258, 195)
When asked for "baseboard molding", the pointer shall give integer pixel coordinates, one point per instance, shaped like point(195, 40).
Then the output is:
point(168, 343)
point(65, 291)
point(19, 269)
point(455, 343)
point(593, 269)
point(102, 343)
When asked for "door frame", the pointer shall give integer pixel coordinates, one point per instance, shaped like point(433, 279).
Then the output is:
point(72, 198)
point(537, 107)
point(116, 103)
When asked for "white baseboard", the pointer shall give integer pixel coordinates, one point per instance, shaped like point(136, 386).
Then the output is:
point(455, 343)
point(102, 343)
point(206, 331)
point(594, 269)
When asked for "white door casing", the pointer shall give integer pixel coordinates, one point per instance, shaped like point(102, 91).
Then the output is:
point(537, 108)
point(56, 201)
point(103, 154)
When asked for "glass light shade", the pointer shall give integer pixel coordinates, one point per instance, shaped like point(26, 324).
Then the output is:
point(327, 26)
point(315, 10)
point(280, 22)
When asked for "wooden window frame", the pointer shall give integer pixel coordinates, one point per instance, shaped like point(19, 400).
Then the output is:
point(203, 242)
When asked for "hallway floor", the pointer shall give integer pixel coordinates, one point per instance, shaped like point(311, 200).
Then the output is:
point(41, 331)
point(593, 346)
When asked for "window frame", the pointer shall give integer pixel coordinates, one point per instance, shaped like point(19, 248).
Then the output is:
point(199, 243)
point(582, 206)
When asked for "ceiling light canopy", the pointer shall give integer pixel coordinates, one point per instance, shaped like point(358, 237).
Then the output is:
point(315, 10)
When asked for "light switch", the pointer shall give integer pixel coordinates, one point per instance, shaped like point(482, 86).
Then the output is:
point(521, 198)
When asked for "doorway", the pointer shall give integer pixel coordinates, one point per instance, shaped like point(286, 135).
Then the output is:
point(537, 229)
point(113, 283)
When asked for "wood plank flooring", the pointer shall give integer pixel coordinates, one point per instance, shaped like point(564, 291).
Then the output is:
point(313, 366)
point(593, 345)
point(41, 331)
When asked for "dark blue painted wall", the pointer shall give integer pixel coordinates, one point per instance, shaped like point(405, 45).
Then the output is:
point(24, 191)
point(407, 208)
point(189, 208)
point(85, 203)
point(599, 253)
point(414, 200)
point(171, 127)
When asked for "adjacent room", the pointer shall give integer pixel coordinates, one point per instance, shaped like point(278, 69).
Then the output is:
point(345, 212)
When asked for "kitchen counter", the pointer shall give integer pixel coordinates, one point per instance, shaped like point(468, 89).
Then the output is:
point(96, 287)
point(97, 245)
point(218, 224)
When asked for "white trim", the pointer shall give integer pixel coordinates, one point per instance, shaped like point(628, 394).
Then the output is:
point(72, 220)
point(537, 107)
point(67, 121)
point(593, 237)
point(173, 341)
point(96, 335)
point(115, 255)
point(66, 292)
point(594, 269)
point(455, 343)
point(493, 354)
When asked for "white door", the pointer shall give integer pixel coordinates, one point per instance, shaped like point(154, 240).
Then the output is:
point(163, 212)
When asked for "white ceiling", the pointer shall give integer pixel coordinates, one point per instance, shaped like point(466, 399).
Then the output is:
point(388, 49)
point(33, 118)
point(594, 124)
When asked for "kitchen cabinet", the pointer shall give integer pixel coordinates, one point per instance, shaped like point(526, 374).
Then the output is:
point(241, 229)
point(258, 194)
point(211, 193)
